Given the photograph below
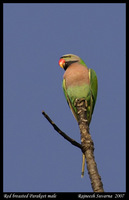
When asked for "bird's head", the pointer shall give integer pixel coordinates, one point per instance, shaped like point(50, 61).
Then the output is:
point(67, 59)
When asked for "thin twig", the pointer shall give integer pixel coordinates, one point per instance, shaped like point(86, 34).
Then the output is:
point(73, 142)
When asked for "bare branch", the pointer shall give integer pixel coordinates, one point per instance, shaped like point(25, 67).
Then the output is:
point(88, 146)
point(73, 142)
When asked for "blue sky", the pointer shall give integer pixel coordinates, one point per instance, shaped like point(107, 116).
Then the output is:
point(36, 158)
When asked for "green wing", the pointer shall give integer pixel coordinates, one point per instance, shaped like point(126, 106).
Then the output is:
point(93, 87)
point(68, 100)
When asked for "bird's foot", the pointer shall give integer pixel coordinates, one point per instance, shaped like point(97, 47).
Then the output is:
point(79, 102)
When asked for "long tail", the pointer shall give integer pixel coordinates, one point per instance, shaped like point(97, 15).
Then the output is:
point(83, 165)
point(82, 120)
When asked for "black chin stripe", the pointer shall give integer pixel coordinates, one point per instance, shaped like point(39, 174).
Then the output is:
point(68, 63)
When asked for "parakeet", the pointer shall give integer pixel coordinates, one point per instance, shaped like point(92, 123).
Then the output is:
point(79, 82)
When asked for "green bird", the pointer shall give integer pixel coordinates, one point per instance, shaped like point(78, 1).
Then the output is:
point(79, 82)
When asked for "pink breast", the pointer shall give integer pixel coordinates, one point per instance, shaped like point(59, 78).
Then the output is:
point(76, 74)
